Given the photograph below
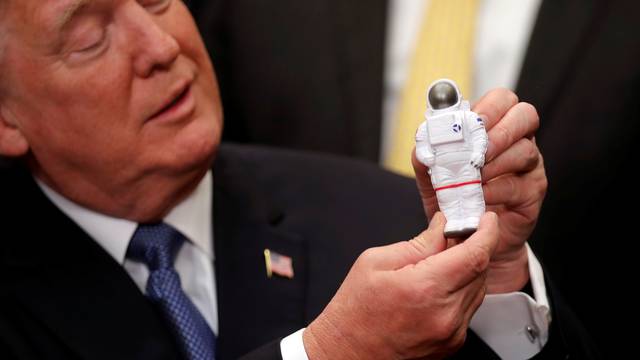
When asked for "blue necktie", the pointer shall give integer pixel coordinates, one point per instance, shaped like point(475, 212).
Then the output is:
point(157, 245)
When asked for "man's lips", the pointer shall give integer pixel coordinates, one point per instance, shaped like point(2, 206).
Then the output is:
point(178, 106)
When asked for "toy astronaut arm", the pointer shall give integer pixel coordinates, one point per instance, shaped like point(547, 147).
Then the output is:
point(424, 151)
point(479, 138)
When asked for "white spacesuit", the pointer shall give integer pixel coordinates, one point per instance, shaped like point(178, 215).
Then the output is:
point(452, 143)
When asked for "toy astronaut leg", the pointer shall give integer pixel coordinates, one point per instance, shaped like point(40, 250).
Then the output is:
point(443, 178)
point(472, 206)
point(450, 204)
point(460, 198)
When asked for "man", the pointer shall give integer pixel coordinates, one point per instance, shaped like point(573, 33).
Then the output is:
point(111, 108)
point(323, 78)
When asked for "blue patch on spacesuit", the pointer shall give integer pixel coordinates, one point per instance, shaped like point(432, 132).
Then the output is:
point(457, 127)
point(480, 122)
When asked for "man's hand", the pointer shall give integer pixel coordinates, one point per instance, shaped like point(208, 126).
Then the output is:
point(407, 300)
point(514, 184)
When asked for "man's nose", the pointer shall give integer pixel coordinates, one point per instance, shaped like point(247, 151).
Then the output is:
point(155, 47)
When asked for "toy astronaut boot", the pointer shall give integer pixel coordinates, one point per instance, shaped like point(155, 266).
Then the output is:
point(453, 228)
point(459, 230)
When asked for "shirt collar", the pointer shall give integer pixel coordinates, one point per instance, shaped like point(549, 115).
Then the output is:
point(192, 217)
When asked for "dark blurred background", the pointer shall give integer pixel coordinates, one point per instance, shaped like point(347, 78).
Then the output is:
point(309, 75)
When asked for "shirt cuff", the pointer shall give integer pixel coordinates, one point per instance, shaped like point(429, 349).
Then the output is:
point(292, 347)
point(514, 325)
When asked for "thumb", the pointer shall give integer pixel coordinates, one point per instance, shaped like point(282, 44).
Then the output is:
point(463, 263)
point(432, 240)
point(427, 243)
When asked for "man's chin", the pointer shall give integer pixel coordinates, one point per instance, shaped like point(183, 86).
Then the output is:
point(162, 187)
point(194, 146)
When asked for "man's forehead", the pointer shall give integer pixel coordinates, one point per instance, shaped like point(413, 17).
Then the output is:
point(53, 14)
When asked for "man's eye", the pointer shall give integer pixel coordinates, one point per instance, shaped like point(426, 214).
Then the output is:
point(92, 46)
point(155, 6)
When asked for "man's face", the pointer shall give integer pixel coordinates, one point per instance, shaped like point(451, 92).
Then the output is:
point(115, 98)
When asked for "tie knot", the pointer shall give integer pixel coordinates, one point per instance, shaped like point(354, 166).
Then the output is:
point(155, 245)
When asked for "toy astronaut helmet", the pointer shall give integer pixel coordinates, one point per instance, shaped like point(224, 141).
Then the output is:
point(443, 94)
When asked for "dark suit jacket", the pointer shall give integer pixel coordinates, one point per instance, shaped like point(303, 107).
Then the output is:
point(63, 297)
point(309, 75)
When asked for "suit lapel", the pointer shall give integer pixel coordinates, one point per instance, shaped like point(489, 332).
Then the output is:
point(253, 308)
point(76, 289)
point(360, 34)
point(560, 36)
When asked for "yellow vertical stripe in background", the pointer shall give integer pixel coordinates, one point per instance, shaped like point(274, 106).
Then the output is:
point(444, 49)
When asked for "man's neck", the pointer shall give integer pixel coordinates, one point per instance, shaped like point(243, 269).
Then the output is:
point(192, 217)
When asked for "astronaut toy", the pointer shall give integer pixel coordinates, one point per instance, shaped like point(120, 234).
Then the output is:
point(452, 143)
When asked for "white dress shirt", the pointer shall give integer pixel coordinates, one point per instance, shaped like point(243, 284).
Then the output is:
point(506, 322)
point(503, 30)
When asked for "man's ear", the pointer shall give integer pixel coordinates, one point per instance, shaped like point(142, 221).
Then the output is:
point(12, 141)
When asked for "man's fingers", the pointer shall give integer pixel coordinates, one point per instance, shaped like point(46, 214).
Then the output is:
point(516, 190)
point(460, 265)
point(520, 121)
point(494, 105)
point(401, 254)
point(430, 241)
point(523, 156)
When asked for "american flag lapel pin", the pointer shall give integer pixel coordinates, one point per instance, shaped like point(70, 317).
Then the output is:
point(278, 264)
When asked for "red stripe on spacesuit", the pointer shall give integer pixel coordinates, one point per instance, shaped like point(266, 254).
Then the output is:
point(459, 185)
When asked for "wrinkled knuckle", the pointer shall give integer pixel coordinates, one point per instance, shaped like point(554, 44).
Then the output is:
point(529, 222)
point(531, 150)
point(491, 109)
point(531, 114)
point(368, 257)
point(543, 185)
point(420, 240)
point(530, 154)
point(511, 96)
point(478, 259)
point(504, 93)
point(416, 246)
point(512, 187)
point(496, 92)
point(504, 134)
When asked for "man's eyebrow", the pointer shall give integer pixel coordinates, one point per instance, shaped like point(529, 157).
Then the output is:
point(68, 12)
